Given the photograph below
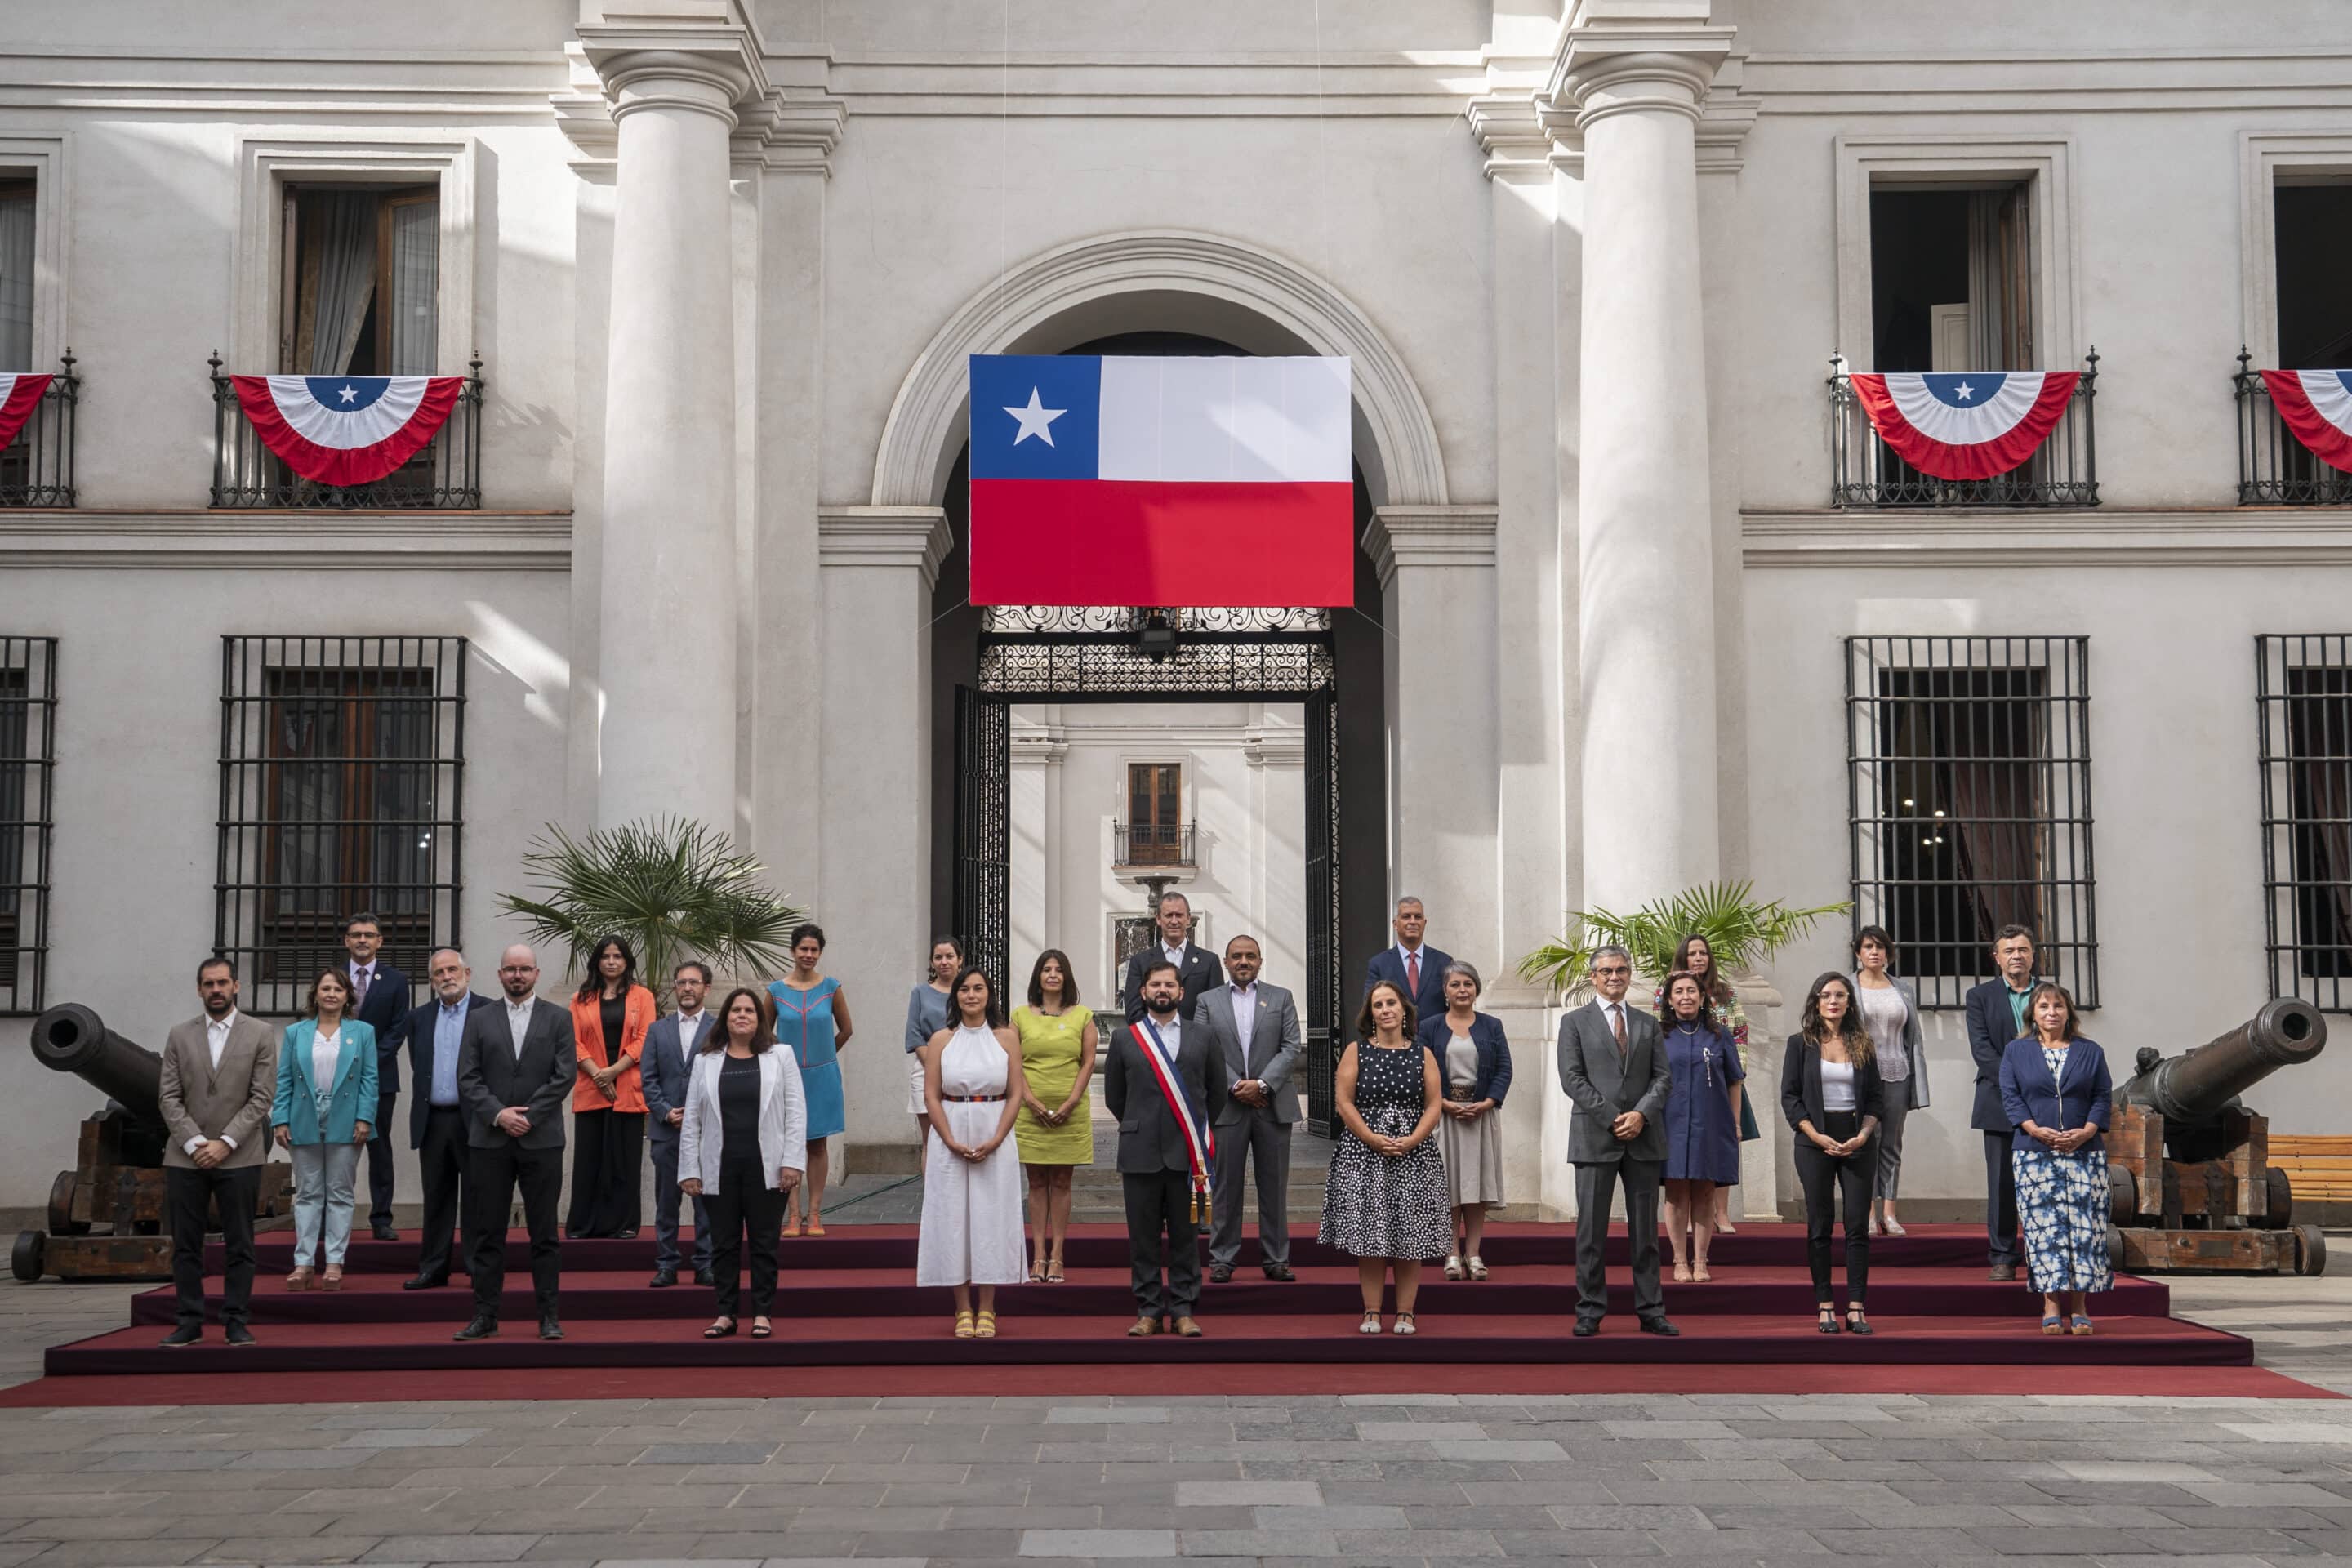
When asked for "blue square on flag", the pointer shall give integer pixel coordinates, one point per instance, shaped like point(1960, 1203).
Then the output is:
point(1035, 417)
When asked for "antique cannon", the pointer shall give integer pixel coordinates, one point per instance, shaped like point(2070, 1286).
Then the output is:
point(2187, 1164)
point(117, 1181)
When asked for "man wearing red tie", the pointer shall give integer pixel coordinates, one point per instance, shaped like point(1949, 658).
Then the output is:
point(379, 1000)
point(1412, 965)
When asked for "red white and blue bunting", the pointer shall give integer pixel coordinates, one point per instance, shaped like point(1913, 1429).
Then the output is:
point(2316, 404)
point(19, 396)
point(346, 429)
point(1965, 424)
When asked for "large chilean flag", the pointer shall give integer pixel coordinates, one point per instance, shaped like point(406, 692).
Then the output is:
point(1135, 480)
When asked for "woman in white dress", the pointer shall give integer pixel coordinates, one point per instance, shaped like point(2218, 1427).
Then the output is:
point(972, 1176)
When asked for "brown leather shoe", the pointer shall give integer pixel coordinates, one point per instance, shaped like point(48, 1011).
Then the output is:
point(1187, 1328)
point(1143, 1328)
point(2004, 1271)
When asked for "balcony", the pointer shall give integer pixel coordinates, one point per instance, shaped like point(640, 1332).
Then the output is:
point(446, 474)
point(38, 468)
point(2275, 469)
point(1151, 843)
point(1866, 473)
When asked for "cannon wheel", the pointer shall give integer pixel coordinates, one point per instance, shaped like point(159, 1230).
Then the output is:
point(61, 1197)
point(2115, 1247)
point(2279, 1201)
point(26, 1262)
point(2310, 1250)
point(2123, 1193)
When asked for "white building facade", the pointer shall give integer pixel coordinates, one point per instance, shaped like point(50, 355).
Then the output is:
point(1648, 608)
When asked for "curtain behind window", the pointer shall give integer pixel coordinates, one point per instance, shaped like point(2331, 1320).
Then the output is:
point(415, 282)
point(17, 281)
point(340, 232)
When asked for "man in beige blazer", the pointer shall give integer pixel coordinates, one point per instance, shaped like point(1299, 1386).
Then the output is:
point(220, 1073)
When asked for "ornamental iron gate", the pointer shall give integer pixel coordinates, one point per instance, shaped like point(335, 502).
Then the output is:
point(1050, 653)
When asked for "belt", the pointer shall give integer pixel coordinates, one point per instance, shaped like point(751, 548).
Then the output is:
point(973, 1099)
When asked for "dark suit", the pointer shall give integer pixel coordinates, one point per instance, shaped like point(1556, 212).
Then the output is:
point(665, 1072)
point(493, 1075)
point(438, 1133)
point(1260, 1136)
point(1200, 971)
point(1155, 1166)
point(1602, 1084)
point(1991, 1026)
point(1428, 998)
point(385, 1009)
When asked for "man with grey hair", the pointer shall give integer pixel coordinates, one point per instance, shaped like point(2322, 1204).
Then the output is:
point(1612, 1066)
point(1196, 967)
point(1412, 965)
point(437, 1122)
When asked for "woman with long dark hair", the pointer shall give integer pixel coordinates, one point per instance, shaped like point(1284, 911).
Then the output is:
point(1694, 955)
point(1384, 1197)
point(1890, 1016)
point(611, 1014)
point(741, 1150)
point(1831, 1093)
point(970, 1237)
point(926, 1014)
point(813, 1018)
point(1053, 1132)
point(2055, 1088)
point(1702, 1121)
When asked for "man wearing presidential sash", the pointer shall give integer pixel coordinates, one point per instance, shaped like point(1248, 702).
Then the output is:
point(1161, 1083)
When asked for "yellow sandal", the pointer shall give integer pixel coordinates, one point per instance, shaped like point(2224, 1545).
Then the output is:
point(964, 1327)
point(987, 1329)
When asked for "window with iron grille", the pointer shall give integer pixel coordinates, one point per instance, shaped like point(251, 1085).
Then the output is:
point(342, 769)
point(2303, 689)
point(28, 701)
point(1968, 795)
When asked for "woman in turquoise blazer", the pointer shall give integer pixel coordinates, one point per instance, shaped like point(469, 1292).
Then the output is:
point(326, 1090)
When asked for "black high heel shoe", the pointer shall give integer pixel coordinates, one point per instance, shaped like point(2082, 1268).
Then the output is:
point(1829, 1324)
point(1856, 1323)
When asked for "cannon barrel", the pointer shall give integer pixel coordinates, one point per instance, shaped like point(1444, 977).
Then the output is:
point(2198, 1085)
point(72, 1039)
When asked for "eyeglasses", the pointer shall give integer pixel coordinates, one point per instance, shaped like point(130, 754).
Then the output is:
point(1613, 969)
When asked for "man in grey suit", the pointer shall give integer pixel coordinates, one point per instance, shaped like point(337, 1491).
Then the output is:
point(671, 1045)
point(220, 1074)
point(1256, 1029)
point(1155, 1165)
point(1612, 1064)
point(515, 1065)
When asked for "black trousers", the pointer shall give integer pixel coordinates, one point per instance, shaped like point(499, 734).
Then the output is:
point(2000, 1202)
point(743, 1204)
point(1824, 1179)
point(379, 1161)
point(493, 1177)
point(1162, 1237)
point(608, 1150)
point(441, 1159)
point(193, 1195)
point(1596, 1186)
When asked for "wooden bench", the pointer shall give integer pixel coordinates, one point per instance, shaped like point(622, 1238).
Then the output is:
point(2319, 1165)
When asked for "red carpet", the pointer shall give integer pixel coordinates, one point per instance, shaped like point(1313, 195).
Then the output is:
point(850, 1323)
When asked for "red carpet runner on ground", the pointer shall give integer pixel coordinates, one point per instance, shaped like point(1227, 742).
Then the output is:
point(850, 1321)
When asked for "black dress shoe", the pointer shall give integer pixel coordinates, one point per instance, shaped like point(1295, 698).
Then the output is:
point(1219, 1273)
point(185, 1334)
point(549, 1329)
point(1660, 1326)
point(662, 1278)
point(629, 1234)
point(425, 1282)
point(383, 1231)
point(1279, 1271)
point(1586, 1327)
point(706, 1275)
point(483, 1327)
point(238, 1334)
point(2005, 1272)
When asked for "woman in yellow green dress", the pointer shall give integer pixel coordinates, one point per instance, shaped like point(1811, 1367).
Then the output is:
point(1055, 1130)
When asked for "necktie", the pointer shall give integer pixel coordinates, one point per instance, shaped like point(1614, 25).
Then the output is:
point(1617, 1027)
point(359, 989)
point(1413, 973)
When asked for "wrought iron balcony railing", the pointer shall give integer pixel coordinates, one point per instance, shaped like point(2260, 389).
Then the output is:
point(1866, 473)
point(38, 468)
point(1151, 843)
point(2274, 468)
point(445, 474)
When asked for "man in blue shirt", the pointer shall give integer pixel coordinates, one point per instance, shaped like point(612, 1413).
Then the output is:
point(1996, 1014)
point(437, 1129)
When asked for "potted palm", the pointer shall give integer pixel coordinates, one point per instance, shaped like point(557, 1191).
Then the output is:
point(1741, 932)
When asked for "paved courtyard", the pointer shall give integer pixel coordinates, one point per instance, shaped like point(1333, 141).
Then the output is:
point(2108, 1482)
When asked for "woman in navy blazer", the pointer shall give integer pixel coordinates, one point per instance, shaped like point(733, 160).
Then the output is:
point(1469, 1134)
point(2054, 1087)
point(326, 1094)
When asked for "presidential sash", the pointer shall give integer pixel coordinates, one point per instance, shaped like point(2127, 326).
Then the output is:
point(1199, 1144)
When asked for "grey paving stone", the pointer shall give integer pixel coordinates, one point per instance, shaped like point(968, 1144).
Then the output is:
point(1098, 1543)
point(1503, 1449)
point(1419, 1431)
point(451, 1548)
point(1123, 1415)
point(2134, 1471)
point(1273, 1543)
point(412, 1437)
point(2253, 1494)
point(1435, 1545)
point(123, 1553)
point(189, 1460)
point(705, 1454)
point(1270, 1493)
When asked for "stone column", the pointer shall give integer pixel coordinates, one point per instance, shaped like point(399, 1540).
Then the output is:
point(1637, 74)
point(667, 658)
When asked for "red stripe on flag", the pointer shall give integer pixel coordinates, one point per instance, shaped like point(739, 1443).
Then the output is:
point(1977, 460)
point(356, 465)
point(23, 398)
point(1138, 541)
point(2311, 427)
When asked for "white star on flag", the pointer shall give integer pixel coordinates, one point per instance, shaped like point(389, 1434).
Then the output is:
point(1035, 420)
point(1965, 391)
point(349, 395)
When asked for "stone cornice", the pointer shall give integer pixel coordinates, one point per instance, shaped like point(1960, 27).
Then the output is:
point(2247, 537)
point(1417, 536)
point(1623, 56)
point(289, 540)
point(901, 536)
point(791, 128)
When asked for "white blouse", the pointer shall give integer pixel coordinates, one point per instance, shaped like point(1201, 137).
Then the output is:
point(324, 1050)
point(1837, 1086)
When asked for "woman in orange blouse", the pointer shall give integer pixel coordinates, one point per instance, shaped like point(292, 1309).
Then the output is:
point(610, 1015)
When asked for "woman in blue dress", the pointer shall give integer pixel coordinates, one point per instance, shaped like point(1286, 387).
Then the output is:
point(1702, 1120)
point(2055, 1089)
point(813, 1018)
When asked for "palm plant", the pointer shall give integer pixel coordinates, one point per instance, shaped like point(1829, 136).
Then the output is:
point(672, 888)
point(1741, 931)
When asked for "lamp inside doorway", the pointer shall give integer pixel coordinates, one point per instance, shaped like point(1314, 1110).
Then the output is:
point(1157, 639)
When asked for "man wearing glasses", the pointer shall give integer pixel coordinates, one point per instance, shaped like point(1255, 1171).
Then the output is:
point(1612, 1064)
